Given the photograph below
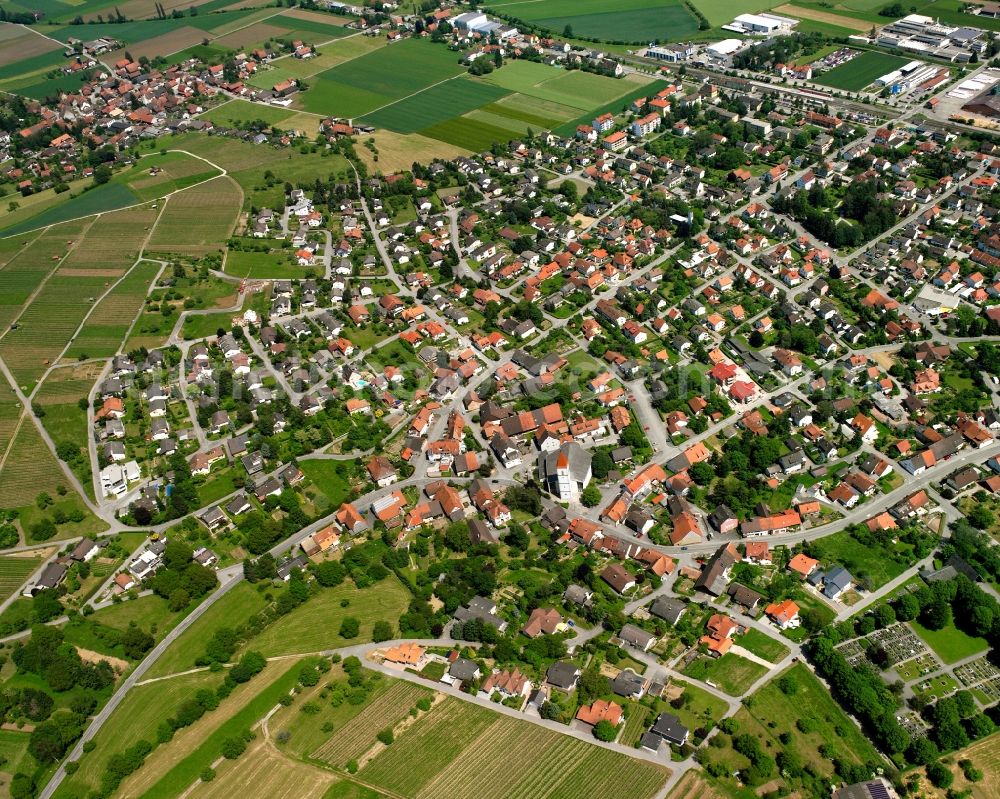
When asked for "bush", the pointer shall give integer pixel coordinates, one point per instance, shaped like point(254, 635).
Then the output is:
point(386, 736)
point(208, 774)
point(940, 775)
point(605, 731)
point(233, 747)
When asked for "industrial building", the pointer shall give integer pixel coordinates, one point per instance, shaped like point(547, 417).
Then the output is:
point(761, 24)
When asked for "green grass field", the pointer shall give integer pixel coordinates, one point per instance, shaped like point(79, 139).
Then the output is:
point(731, 673)
point(950, 643)
point(301, 632)
point(237, 112)
point(331, 477)
point(776, 712)
point(860, 71)
point(628, 21)
point(862, 562)
point(763, 645)
point(364, 84)
point(232, 610)
point(447, 753)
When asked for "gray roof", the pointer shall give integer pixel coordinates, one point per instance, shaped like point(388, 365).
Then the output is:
point(669, 727)
point(464, 669)
point(562, 675)
point(668, 608)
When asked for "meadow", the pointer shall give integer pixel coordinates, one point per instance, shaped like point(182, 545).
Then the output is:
point(232, 610)
point(860, 71)
point(448, 752)
point(771, 711)
point(629, 20)
point(236, 113)
point(300, 633)
point(731, 673)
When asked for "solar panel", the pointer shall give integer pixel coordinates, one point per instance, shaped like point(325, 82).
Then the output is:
point(877, 790)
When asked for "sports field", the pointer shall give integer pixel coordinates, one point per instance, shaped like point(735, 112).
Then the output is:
point(448, 752)
point(627, 21)
point(364, 84)
point(860, 71)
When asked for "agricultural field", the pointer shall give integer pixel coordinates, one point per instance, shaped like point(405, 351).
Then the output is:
point(64, 419)
point(15, 569)
point(473, 113)
point(628, 21)
point(109, 246)
point(104, 330)
point(18, 43)
point(267, 773)
point(860, 71)
point(694, 785)
point(198, 220)
point(357, 732)
point(29, 261)
point(369, 82)
point(446, 752)
point(298, 632)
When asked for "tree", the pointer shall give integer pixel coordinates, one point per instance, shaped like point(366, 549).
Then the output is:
point(382, 631)
point(233, 747)
point(604, 730)
point(940, 775)
point(386, 736)
point(350, 627)
point(590, 496)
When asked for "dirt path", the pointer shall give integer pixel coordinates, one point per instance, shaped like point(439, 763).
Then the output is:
point(824, 16)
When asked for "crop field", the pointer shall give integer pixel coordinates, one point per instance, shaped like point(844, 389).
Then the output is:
point(30, 469)
point(265, 772)
point(299, 633)
point(64, 420)
point(19, 43)
point(436, 104)
point(10, 418)
point(364, 84)
point(860, 71)
point(105, 328)
point(24, 271)
point(358, 734)
point(397, 151)
point(694, 785)
point(109, 245)
point(629, 20)
point(198, 220)
point(14, 570)
point(447, 751)
point(330, 55)
point(109, 197)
